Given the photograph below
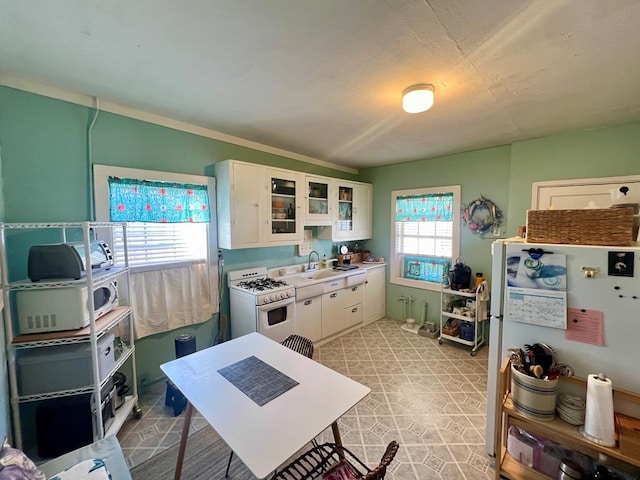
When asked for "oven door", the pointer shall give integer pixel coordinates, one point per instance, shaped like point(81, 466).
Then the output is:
point(277, 320)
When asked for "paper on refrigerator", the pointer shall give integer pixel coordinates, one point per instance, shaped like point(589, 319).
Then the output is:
point(537, 289)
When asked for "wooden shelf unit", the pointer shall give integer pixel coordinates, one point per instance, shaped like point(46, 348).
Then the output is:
point(556, 430)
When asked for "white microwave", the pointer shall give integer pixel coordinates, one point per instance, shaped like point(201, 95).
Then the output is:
point(55, 309)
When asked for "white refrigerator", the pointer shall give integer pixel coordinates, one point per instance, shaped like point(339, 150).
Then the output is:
point(584, 301)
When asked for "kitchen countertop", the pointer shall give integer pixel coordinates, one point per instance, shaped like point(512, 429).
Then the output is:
point(296, 278)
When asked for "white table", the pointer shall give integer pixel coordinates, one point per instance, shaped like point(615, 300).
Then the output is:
point(293, 418)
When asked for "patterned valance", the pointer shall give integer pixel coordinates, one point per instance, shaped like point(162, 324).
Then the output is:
point(425, 208)
point(133, 200)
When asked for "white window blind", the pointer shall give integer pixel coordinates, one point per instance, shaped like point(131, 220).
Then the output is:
point(163, 243)
point(425, 238)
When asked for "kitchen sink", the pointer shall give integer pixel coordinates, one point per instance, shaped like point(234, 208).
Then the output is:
point(320, 274)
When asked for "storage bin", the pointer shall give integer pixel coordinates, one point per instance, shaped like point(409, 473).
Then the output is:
point(600, 226)
point(467, 331)
point(534, 397)
point(63, 367)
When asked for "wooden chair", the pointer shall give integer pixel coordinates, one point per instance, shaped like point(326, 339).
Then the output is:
point(322, 457)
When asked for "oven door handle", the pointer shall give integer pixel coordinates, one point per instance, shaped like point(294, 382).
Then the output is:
point(279, 303)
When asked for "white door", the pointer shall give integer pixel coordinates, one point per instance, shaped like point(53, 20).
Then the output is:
point(578, 193)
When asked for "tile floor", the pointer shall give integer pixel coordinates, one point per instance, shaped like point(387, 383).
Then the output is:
point(431, 398)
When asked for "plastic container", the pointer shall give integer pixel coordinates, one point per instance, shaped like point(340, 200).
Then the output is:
point(479, 279)
point(64, 367)
point(467, 331)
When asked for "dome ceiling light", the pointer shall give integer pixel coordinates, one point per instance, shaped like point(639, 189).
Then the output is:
point(417, 98)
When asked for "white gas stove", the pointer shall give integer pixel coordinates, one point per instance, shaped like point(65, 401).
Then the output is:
point(260, 304)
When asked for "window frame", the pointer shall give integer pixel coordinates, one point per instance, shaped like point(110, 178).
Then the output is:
point(395, 263)
point(101, 201)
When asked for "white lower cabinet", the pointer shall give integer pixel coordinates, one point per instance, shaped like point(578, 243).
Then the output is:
point(353, 305)
point(332, 312)
point(375, 294)
point(309, 318)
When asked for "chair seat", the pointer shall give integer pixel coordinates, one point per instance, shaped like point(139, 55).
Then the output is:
point(320, 458)
point(299, 344)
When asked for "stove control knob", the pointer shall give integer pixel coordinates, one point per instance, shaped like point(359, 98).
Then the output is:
point(273, 298)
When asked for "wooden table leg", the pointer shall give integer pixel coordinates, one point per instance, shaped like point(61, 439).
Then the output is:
point(337, 438)
point(183, 440)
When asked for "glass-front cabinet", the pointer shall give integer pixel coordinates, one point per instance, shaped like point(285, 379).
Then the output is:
point(345, 223)
point(318, 208)
point(284, 221)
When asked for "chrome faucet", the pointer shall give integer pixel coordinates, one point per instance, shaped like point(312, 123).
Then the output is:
point(317, 255)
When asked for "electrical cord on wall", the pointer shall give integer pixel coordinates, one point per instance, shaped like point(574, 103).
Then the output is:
point(92, 208)
point(221, 335)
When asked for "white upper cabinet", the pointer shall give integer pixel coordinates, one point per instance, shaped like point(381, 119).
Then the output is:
point(258, 206)
point(261, 206)
point(319, 208)
point(284, 199)
point(352, 204)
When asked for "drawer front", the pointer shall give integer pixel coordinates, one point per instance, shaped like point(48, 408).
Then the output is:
point(333, 285)
point(354, 315)
point(354, 295)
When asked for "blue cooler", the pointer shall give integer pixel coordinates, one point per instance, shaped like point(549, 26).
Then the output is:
point(467, 331)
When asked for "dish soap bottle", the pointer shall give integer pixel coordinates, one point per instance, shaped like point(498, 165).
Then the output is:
point(324, 261)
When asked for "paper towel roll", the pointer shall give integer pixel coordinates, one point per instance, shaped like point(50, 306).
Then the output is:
point(599, 416)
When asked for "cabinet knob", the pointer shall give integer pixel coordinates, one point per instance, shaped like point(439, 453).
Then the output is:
point(308, 302)
point(354, 310)
point(354, 289)
point(333, 295)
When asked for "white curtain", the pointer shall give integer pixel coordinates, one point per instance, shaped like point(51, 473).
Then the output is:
point(169, 298)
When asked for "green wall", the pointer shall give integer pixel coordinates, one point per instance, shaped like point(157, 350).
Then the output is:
point(43, 156)
point(46, 178)
point(481, 172)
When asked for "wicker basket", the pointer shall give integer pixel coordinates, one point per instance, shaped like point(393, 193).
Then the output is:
point(601, 226)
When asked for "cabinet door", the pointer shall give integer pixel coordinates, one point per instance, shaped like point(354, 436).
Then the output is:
point(332, 313)
point(318, 205)
point(375, 294)
point(283, 222)
point(344, 227)
point(309, 318)
point(362, 217)
point(246, 183)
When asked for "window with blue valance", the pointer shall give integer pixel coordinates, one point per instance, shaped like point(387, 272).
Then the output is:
point(425, 236)
point(133, 200)
point(425, 208)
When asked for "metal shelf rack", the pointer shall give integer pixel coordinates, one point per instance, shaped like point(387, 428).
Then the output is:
point(96, 329)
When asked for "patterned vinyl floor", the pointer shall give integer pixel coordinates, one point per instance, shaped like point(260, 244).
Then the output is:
point(431, 398)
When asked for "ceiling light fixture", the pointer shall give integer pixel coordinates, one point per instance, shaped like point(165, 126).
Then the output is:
point(417, 98)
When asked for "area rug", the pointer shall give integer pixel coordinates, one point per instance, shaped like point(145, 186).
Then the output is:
point(205, 458)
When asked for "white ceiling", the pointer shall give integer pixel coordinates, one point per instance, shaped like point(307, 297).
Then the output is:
point(323, 78)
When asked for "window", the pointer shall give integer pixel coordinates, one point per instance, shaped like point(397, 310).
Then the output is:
point(167, 221)
point(174, 278)
point(425, 230)
point(156, 245)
